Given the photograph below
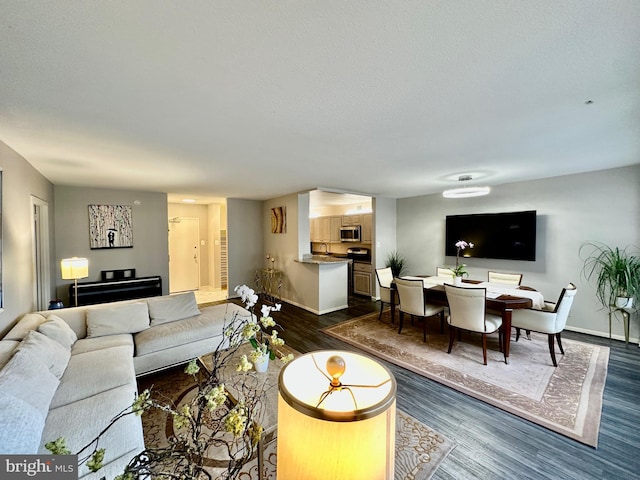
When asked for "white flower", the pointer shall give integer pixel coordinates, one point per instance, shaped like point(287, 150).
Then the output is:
point(244, 365)
point(247, 295)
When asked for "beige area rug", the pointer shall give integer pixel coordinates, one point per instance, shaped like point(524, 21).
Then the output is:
point(566, 399)
point(419, 449)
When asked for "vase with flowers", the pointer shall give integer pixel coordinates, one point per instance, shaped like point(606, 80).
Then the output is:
point(460, 269)
point(263, 343)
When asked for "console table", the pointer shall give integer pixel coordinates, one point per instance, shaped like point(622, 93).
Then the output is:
point(90, 293)
point(269, 282)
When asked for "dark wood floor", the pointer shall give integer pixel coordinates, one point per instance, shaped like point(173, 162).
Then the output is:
point(492, 444)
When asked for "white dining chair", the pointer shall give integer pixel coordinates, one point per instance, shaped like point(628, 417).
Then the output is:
point(467, 312)
point(412, 301)
point(387, 295)
point(550, 320)
point(505, 278)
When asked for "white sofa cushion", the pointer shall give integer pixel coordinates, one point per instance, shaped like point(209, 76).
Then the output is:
point(97, 343)
point(208, 324)
point(95, 372)
point(130, 318)
point(173, 307)
point(47, 351)
point(57, 329)
point(79, 422)
point(22, 426)
point(26, 378)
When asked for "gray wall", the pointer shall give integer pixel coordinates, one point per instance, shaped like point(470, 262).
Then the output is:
point(245, 238)
point(600, 206)
point(19, 181)
point(149, 255)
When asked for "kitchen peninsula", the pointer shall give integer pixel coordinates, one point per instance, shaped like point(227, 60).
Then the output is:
point(325, 279)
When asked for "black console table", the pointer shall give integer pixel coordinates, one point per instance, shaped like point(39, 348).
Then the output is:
point(90, 293)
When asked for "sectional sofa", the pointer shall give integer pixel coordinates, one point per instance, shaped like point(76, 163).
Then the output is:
point(67, 373)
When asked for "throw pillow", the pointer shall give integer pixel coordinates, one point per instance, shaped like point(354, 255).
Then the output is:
point(27, 378)
point(46, 351)
point(22, 426)
point(172, 307)
point(57, 329)
point(128, 318)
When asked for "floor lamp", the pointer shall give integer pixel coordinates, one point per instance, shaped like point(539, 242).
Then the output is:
point(336, 418)
point(73, 269)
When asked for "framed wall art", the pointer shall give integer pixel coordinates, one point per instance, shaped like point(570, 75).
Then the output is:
point(110, 226)
point(279, 220)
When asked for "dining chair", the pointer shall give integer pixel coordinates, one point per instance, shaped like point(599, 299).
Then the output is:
point(506, 278)
point(444, 272)
point(467, 312)
point(412, 302)
point(387, 295)
point(550, 320)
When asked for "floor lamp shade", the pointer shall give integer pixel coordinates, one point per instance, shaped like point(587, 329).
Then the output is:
point(347, 433)
point(74, 268)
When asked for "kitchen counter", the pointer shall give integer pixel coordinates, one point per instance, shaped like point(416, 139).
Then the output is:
point(321, 283)
point(322, 259)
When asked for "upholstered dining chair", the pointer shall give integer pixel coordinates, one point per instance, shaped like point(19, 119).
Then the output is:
point(444, 272)
point(412, 302)
point(387, 295)
point(550, 320)
point(467, 312)
point(506, 278)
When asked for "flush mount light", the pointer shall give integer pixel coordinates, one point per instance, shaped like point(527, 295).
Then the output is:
point(464, 192)
point(188, 200)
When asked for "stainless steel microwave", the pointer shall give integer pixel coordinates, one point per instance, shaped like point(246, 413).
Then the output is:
point(350, 234)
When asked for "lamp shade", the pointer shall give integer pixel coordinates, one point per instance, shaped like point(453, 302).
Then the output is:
point(74, 268)
point(336, 418)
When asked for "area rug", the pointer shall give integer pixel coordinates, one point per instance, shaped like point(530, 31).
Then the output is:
point(566, 399)
point(419, 449)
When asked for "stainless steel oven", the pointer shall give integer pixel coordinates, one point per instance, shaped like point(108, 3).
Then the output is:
point(350, 234)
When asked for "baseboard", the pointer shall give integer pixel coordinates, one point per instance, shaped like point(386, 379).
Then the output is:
point(596, 333)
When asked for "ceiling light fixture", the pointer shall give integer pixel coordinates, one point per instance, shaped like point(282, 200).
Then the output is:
point(465, 192)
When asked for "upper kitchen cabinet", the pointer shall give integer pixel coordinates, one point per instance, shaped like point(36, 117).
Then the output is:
point(335, 224)
point(366, 228)
point(351, 220)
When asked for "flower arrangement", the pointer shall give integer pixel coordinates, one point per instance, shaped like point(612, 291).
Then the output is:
point(211, 419)
point(459, 270)
point(257, 333)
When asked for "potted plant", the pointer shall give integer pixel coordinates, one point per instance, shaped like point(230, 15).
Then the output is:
point(616, 273)
point(396, 262)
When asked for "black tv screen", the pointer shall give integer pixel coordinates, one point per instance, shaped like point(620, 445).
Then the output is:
point(507, 236)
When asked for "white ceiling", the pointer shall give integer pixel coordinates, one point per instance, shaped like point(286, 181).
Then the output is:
point(256, 99)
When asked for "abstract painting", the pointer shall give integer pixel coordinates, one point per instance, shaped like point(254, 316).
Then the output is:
point(279, 220)
point(110, 226)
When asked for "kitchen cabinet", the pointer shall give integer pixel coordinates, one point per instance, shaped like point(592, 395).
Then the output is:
point(314, 225)
point(362, 276)
point(325, 229)
point(335, 224)
point(366, 228)
point(351, 220)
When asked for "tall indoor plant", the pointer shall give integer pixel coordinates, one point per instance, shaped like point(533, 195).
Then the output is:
point(616, 273)
point(396, 262)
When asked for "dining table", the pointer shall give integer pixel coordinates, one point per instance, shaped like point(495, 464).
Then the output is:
point(500, 300)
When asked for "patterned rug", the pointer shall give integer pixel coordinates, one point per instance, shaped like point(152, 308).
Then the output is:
point(419, 450)
point(566, 399)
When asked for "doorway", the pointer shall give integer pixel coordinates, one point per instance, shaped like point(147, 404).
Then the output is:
point(41, 269)
point(184, 254)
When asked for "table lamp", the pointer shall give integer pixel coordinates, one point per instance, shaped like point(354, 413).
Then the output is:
point(336, 418)
point(73, 269)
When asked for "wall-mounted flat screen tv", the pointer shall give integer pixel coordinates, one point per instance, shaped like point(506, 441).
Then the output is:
point(507, 236)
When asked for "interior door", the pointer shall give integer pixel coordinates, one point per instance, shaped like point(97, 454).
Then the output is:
point(40, 254)
point(184, 254)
